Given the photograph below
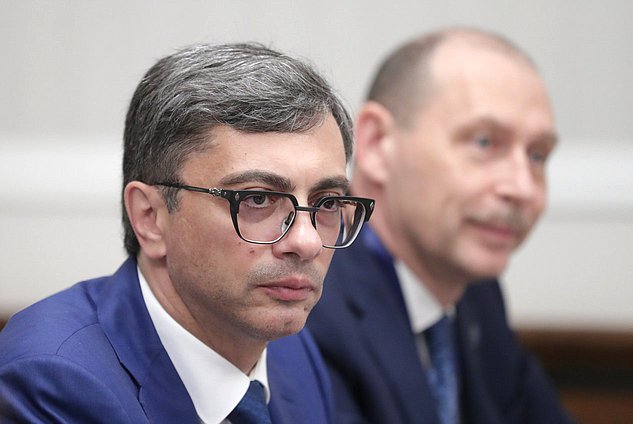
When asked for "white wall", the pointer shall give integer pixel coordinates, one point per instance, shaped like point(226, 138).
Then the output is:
point(69, 69)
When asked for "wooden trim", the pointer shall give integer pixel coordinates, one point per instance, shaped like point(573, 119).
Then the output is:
point(580, 347)
point(599, 406)
point(584, 358)
point(592, 370)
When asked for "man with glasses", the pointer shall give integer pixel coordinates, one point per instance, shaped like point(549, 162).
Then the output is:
point(234, 199)
point(452, 143)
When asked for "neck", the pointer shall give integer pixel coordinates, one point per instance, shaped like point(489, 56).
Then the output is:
point(440, 278)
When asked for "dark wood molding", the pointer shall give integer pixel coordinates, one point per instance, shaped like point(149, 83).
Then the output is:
point(579, 347)
point(592, 370)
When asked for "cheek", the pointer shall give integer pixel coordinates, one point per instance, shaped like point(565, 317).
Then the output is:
point(325, 257)
point(444, 195)
point(541, 202)
point(204, 242)
point(537, 207)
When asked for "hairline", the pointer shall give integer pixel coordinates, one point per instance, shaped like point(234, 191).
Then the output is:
point(421, 76)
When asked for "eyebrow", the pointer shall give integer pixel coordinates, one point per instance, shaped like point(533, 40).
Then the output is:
point(340, 182)
point(281, 183)
point(551, 138)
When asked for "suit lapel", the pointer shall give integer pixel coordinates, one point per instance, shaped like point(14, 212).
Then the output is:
point(385, 327)
point(127, 324)
point(163, 396)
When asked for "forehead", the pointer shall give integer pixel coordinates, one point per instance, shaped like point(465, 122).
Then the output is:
point(302, 157)
point(480, 81)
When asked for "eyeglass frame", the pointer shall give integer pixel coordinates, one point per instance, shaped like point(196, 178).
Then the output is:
point(234, 197)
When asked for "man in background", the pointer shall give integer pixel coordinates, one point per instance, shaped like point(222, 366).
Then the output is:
point(234, 194)
point(453, 143)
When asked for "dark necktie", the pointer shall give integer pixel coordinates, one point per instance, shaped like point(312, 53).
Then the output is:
point(252, 409)
point(442, 375)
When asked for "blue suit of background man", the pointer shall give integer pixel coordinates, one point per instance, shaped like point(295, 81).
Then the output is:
point(363, 330)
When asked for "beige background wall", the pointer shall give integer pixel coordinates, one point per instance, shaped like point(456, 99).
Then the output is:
point(69, 69)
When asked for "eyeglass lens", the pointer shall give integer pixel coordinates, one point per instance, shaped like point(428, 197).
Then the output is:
point(267, 217)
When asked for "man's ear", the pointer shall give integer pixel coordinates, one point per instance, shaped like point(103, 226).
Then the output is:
point(147, 213)
point(374, 140)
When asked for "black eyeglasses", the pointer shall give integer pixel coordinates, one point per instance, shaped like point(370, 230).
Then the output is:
point(265, 217)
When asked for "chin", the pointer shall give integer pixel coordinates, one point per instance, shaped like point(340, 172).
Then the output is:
point(484, 261)
point(286, 323)
point(489, 269)
point(485, 266)
point(278, 333)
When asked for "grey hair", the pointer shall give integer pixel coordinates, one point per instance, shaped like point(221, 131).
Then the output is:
point(404, 81)
point(248, 87)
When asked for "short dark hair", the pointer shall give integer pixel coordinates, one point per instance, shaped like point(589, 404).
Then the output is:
point(404, 81)
point(247, 86)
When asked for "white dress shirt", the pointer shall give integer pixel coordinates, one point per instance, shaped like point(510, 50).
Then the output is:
point(422, 307)
point(214, 384)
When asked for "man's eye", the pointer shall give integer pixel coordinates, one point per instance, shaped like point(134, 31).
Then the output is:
point(483, 142)
point(538, 157)
point(259, 200)
point(331, 205)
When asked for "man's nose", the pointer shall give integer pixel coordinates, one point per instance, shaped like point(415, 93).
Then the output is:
point(302, 239)
point(519, 182)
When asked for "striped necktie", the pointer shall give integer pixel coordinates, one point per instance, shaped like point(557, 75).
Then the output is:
point(442, 375)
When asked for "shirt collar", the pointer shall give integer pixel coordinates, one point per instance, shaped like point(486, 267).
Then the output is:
point(423, 309)
point(214, 384)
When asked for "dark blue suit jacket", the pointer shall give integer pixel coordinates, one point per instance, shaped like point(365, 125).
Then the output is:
point(90, 354)
point(363, 331)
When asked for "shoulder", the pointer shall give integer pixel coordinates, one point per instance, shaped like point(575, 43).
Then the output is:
point(508, 375)
point(56, 359)
point(33, 388)
point(70, 317)
point(44, 327)
point(52, 343)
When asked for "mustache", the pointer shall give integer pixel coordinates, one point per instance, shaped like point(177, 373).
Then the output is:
point(273, 272)
point(512, 218)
